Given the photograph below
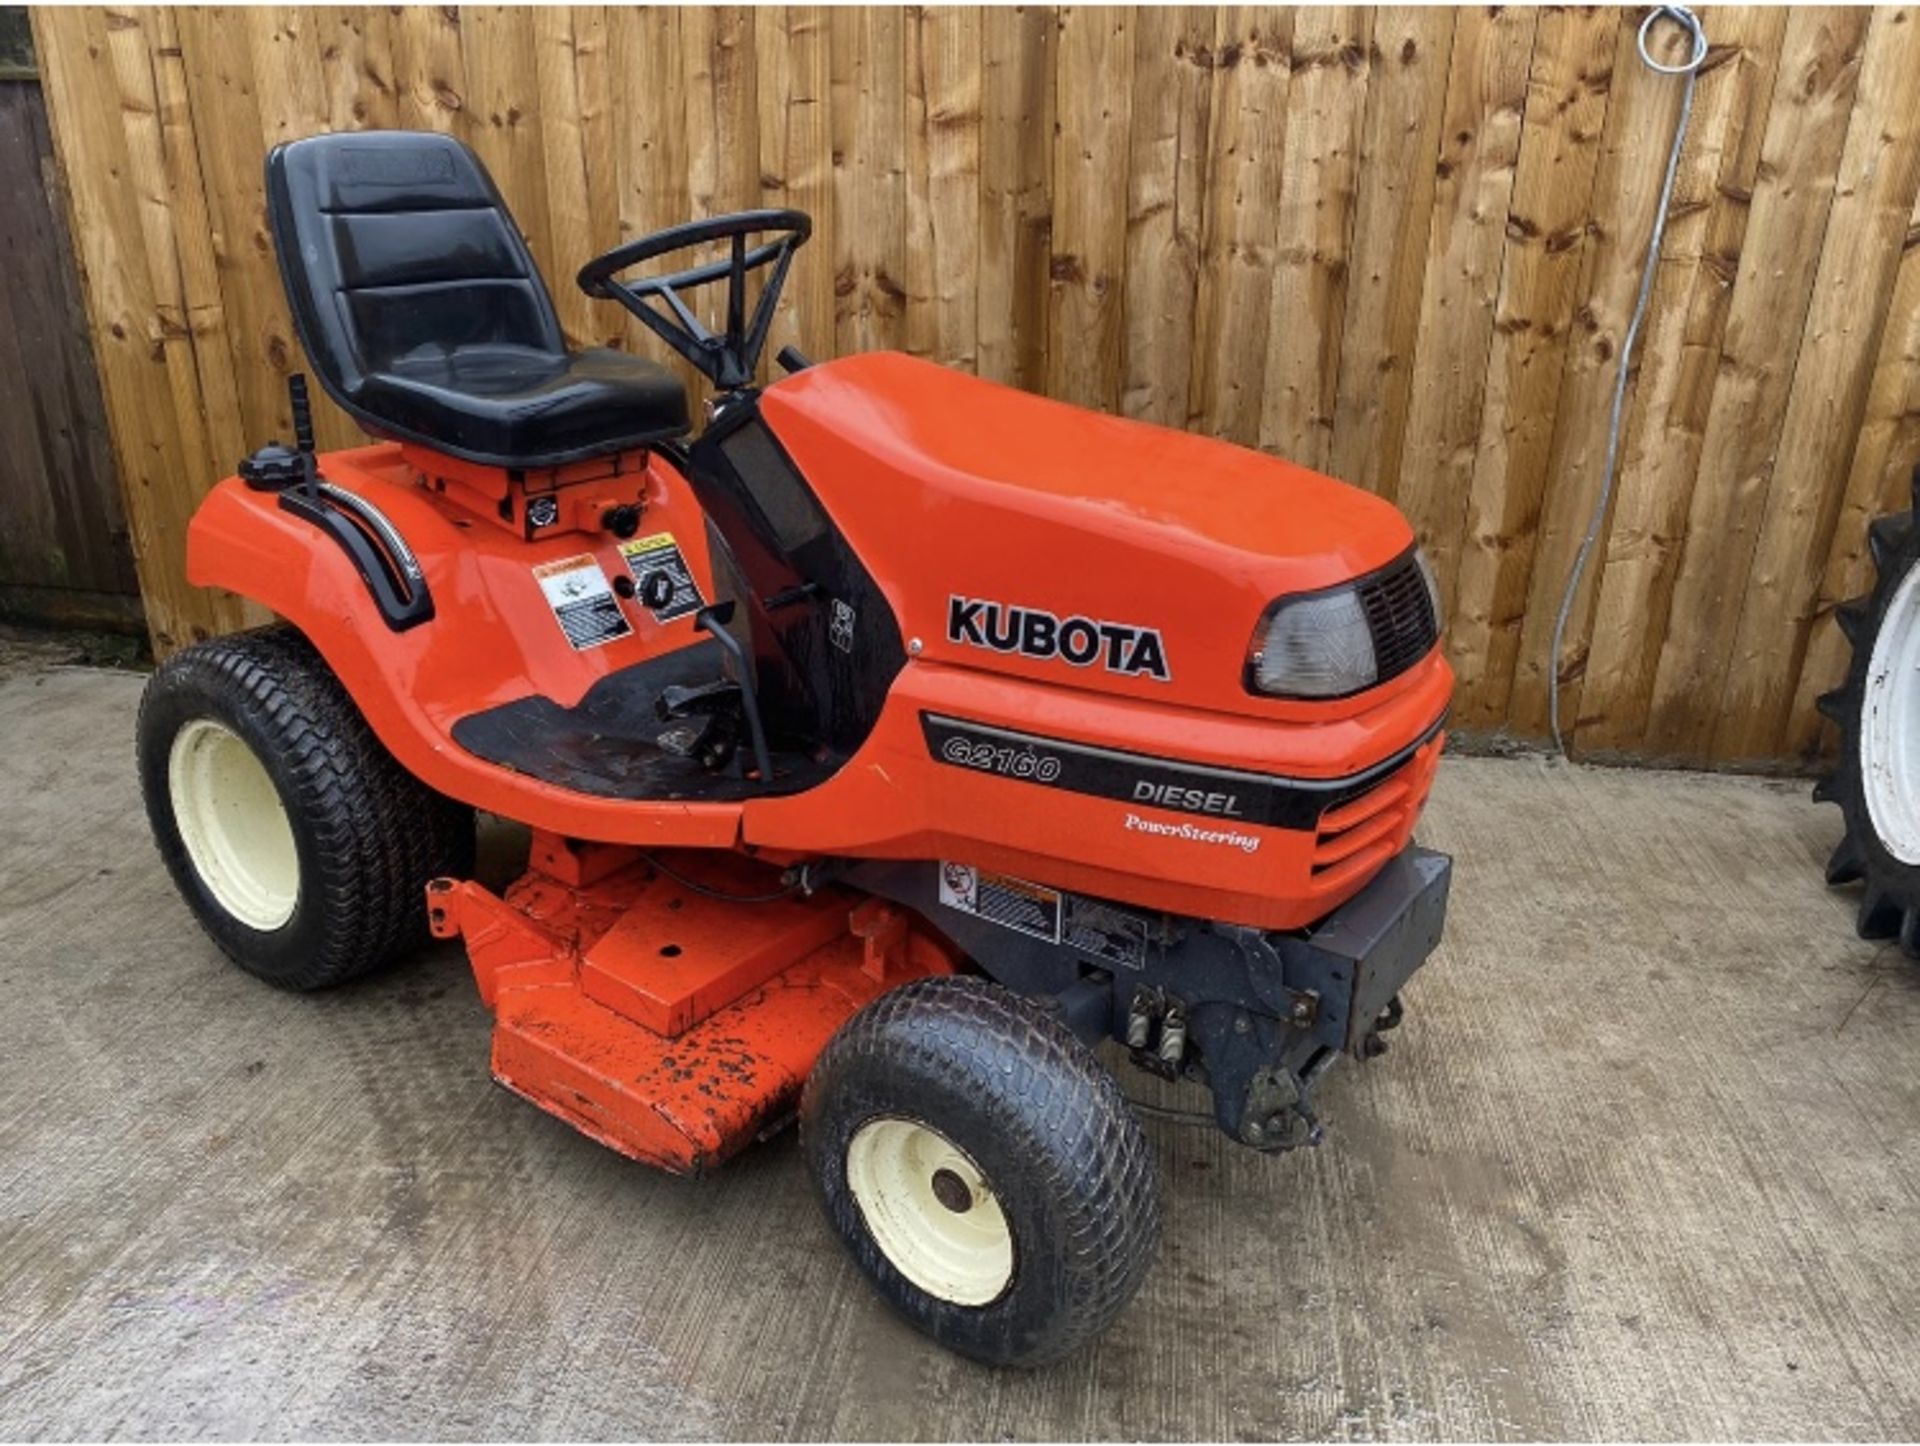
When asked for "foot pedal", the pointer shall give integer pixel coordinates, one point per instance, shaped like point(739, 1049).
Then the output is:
point(679, 700)
point(706, 721)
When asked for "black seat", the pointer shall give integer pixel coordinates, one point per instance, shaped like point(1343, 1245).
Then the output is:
point(425, 317)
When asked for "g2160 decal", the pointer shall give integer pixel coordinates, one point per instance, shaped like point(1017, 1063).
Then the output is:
point(1015, 760)
point(1227, 796)
point(1033, 633)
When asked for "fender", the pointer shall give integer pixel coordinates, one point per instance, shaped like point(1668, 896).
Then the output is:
point(493, 636)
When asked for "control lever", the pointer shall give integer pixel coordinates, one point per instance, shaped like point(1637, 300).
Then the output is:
point(302, 407)
point(713, 619)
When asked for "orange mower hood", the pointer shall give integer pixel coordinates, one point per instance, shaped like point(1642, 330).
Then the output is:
point(1030, 537)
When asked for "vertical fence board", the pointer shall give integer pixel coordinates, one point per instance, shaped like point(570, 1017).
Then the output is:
point(63, 552)
point(291, 100)
point(1017, 45)
point(356, 65)
point(1399, 145)
point(1247, 120)
point(1326, 101)
point(869, 177)
point(1166, 180)
point(429, 74)
point(131, 57)
point(650, 153)
point(943, 184)
point(229, 141)
point(1087, 269)
point(205, 315)
point(795, 82)
point(1546, 236)
point(722, 114)
point(498, 47)
point(565, 158)
point(1480, 141)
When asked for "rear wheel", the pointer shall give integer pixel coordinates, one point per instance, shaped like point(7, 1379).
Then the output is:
point(302, 847)
point(982, 1168)
point(1876, 782)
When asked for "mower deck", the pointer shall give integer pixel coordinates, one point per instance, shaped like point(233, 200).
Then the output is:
point(671, 1025)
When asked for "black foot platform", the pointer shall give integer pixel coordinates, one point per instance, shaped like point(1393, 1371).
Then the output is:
point(612, 744)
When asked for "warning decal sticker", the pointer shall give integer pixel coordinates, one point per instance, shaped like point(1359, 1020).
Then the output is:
point(582, 601)
point(660, 553)
point(1011, 903)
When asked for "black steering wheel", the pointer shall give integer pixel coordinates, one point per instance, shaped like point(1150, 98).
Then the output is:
point(727, 360)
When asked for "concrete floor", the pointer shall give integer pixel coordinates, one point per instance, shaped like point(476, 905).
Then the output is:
point(1644, 1162)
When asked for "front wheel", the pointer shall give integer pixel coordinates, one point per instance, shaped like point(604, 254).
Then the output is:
point(299, 843)
point(982, 1168)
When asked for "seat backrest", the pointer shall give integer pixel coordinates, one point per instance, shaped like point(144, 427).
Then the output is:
point(396, 242)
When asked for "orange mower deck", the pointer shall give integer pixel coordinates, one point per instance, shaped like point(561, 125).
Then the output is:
point(673, 1026)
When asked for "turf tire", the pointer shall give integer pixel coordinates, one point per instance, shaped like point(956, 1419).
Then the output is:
point(1046, 1124)
point(367, 834)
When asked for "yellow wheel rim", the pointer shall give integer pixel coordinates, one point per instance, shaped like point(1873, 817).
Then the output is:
point(235, 828)
point(931, 1211)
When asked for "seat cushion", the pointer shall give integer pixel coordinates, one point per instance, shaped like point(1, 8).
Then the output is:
point(525, 406)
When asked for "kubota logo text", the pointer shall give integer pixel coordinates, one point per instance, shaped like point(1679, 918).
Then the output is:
point(1003, 628)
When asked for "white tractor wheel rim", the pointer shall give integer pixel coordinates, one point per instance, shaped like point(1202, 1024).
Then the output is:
point(931, 1211)
point(1890, 725)
point(235, 828)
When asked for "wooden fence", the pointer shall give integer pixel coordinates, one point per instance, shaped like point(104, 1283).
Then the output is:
point(64, 557)
point(1400, 245)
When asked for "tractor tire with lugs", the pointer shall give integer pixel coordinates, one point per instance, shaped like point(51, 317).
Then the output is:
point(300, 844)
point(1876, 782)
point(982, 1168)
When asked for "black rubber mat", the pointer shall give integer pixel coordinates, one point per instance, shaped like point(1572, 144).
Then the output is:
point(609, 744)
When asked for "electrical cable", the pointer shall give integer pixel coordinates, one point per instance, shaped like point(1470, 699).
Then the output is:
point(1690, 68)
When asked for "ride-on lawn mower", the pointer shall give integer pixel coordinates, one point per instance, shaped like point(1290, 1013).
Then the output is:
point(884, 749)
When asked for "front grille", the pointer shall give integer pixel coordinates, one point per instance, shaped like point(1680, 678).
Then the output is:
point(1400, 616)
point(1358, 835)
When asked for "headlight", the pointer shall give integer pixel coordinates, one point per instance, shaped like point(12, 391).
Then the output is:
point(1323, 645)
point(1317, 646)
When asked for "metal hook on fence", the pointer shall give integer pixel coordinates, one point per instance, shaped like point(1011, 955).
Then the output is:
point(1690, 67)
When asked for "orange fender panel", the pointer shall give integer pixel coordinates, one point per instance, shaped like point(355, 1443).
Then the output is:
point(492, 638)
